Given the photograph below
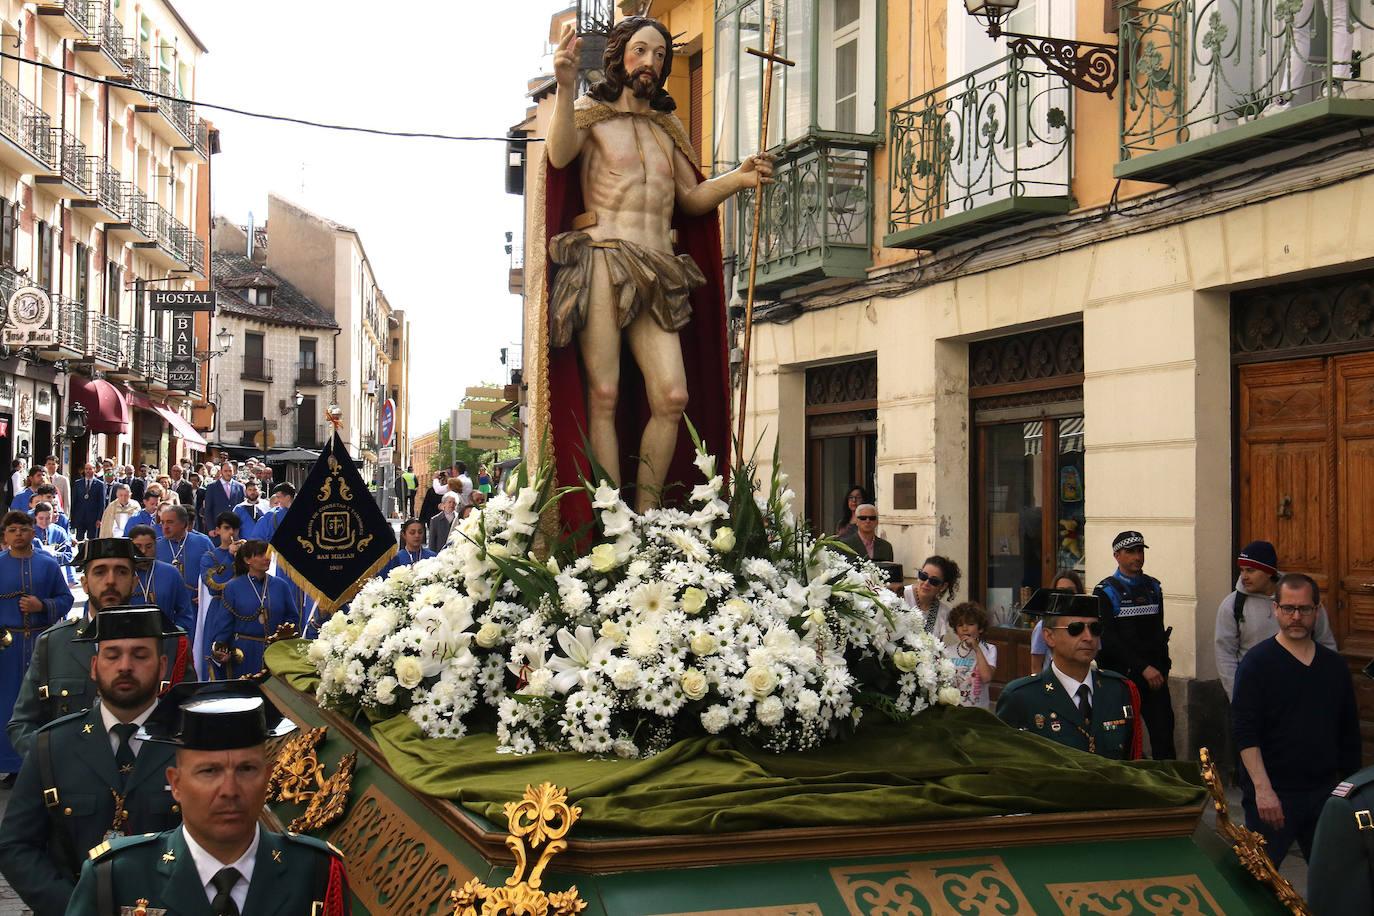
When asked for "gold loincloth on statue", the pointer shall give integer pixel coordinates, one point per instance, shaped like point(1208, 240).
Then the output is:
point(641, 279)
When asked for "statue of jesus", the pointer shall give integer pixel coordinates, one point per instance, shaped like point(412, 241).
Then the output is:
point(618, 273)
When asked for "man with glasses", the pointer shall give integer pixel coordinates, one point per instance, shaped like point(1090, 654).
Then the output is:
point(865, 541)
point(1295, 723)
point(1071, 702)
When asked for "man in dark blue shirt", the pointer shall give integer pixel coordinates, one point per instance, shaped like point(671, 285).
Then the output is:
point(1135, 641)
point(1295, 723)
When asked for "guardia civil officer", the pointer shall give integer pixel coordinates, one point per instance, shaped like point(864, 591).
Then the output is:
point(1072, 702)
point(1340, 872)
point(58, 681)
point(1135, 641)
point(87, 778)
point(220, 861)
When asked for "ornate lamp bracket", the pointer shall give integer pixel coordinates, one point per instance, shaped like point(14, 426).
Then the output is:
point(1087, 65)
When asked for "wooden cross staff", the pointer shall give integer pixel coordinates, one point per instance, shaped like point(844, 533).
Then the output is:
point(772, 57)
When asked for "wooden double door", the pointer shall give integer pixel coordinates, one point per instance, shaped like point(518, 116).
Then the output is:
point(1306, 482)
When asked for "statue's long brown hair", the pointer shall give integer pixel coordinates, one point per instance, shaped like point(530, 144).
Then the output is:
point(613, 63)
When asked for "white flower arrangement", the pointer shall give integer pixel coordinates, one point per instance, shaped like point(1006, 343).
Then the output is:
point(724, 617)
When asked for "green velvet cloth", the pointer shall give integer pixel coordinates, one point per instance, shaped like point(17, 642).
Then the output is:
point(945, 763)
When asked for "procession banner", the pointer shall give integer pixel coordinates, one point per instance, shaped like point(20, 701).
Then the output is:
point(334, 537)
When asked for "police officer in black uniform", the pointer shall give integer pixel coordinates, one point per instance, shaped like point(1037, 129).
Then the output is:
point(220, 862)
point(87, 778)
point(1135, 641)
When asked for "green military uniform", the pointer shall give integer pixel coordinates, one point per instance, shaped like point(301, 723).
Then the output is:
point(1340, 877)
point(291, 876)
point(68, 797)
point(58, 681)
point(1040, 705)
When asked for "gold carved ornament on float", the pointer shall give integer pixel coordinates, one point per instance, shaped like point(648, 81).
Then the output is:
point(1249, 845)
point(298, 778)
point(538, 824)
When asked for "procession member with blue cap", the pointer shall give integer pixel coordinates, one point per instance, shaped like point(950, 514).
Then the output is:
point(88, 778)
point(220, 861)
point(1074, 702)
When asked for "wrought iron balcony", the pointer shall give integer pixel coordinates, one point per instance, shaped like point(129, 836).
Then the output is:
point(134, 222)
point(68, 18)
point(133, 353)
point(155, 360)
point(817, 216)
point(312, 375)
point(102, 46)
point(10, 282)
point(25, 134)
point(256, 368)
point(71, 325)
point(1213, 82)
point(105, 335)
point(106, 194)
point(990, 149)
point(195, 254)
point(72, 173)
point(162, 97)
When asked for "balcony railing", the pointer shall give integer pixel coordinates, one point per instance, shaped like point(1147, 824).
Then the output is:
point(155, 359)
point(134, 351)
point(257, 368)
point(987, 150)
point(134, 209)
point(25, 125)
point(1208, 77)
point(101, 24)
point(105, 334)
point(10, 282)
point(75, 165)
point(817, 216)
point(107, 191)
point(71, 323)
point(76, 12)
point(309, 375)
point(170, 233)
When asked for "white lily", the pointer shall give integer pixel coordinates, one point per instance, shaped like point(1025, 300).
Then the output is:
point(582, 653)
point(605, 497)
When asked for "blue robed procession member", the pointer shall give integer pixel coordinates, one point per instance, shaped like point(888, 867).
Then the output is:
point(412, 549)
point(24, 498)
point(159, 583)
point(58, 681)
point(51, 537)
point(87, 778)
point(334, 538)
point(253, 609)
point(220, 860)
point(250, 513)
point(33, 596)
point(149, 515)
point(182, 547)
point(216, 570)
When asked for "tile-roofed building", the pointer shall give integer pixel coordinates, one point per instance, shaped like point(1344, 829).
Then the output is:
point(237, 278)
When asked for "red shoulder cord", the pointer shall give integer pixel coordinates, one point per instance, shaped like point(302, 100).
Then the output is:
point(1137, 733)
point(179, 666)
point(336, 894)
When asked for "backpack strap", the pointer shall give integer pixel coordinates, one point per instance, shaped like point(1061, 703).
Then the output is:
point(104, 887)
point(1238, 609)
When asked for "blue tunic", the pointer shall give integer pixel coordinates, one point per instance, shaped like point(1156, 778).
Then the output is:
point(406, 558)
point(56, 538)
point(185, 556)
point(144, 517)
point(249, 611)
point(162, 586)
point(40, 576)
point(250, 528)
point(22, 500)
point(216, 569)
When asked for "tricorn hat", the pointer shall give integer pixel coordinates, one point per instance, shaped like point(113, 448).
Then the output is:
point(105, 549)
point(214, 716)
point(132, 622)
point(1063, 602)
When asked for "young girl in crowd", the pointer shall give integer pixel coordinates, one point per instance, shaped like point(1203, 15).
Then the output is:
point(974, 659)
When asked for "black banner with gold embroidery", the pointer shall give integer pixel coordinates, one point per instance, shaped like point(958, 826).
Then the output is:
point(334, 537)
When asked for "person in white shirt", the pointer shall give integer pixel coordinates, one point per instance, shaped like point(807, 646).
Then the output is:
point(59, 480)
point(465, 498)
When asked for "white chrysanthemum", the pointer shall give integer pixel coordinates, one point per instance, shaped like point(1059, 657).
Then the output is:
point(652, 598)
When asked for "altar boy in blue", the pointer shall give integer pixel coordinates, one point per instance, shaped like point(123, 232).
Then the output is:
point(251, 609)
point(413, 548)
point(33, 596)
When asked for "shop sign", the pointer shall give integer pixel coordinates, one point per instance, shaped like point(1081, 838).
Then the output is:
point(182, 300)
point(31, 320)
point(181, 360)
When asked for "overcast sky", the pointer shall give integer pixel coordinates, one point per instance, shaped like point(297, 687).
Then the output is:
point(432, 214)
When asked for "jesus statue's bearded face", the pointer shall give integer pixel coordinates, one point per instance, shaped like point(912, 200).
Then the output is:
point(643, 62)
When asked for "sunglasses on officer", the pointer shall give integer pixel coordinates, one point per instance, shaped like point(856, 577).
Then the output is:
point(1076, 628)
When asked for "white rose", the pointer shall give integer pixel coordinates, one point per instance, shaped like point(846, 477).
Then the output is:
point(604, 558)
point(769, 712)
point(694, 684)
point(489, 635)
point(500, 551)
point(612, 630)
point(693, 600)
point(740, 608)
point(704, 644)
point(385, 690)
point(724, 541)
point(760, 681)
point(905, 660)
point(409, 671)
point(949, 696)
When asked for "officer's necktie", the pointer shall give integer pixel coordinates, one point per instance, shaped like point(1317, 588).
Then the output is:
point(124, 754)
point(223, 882)
point(1085, 705)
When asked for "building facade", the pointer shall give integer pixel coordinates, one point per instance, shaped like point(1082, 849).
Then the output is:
point(272, 376)
point(103, 179)
point(1027, 315)
point(398, 385)
point(327, 263)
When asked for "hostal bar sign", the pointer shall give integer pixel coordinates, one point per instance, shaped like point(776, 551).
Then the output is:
point(183, 304)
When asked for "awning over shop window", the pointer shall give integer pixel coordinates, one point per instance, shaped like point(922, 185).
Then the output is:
point(1070, 436)
point(106, 409)
point(183, 430)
